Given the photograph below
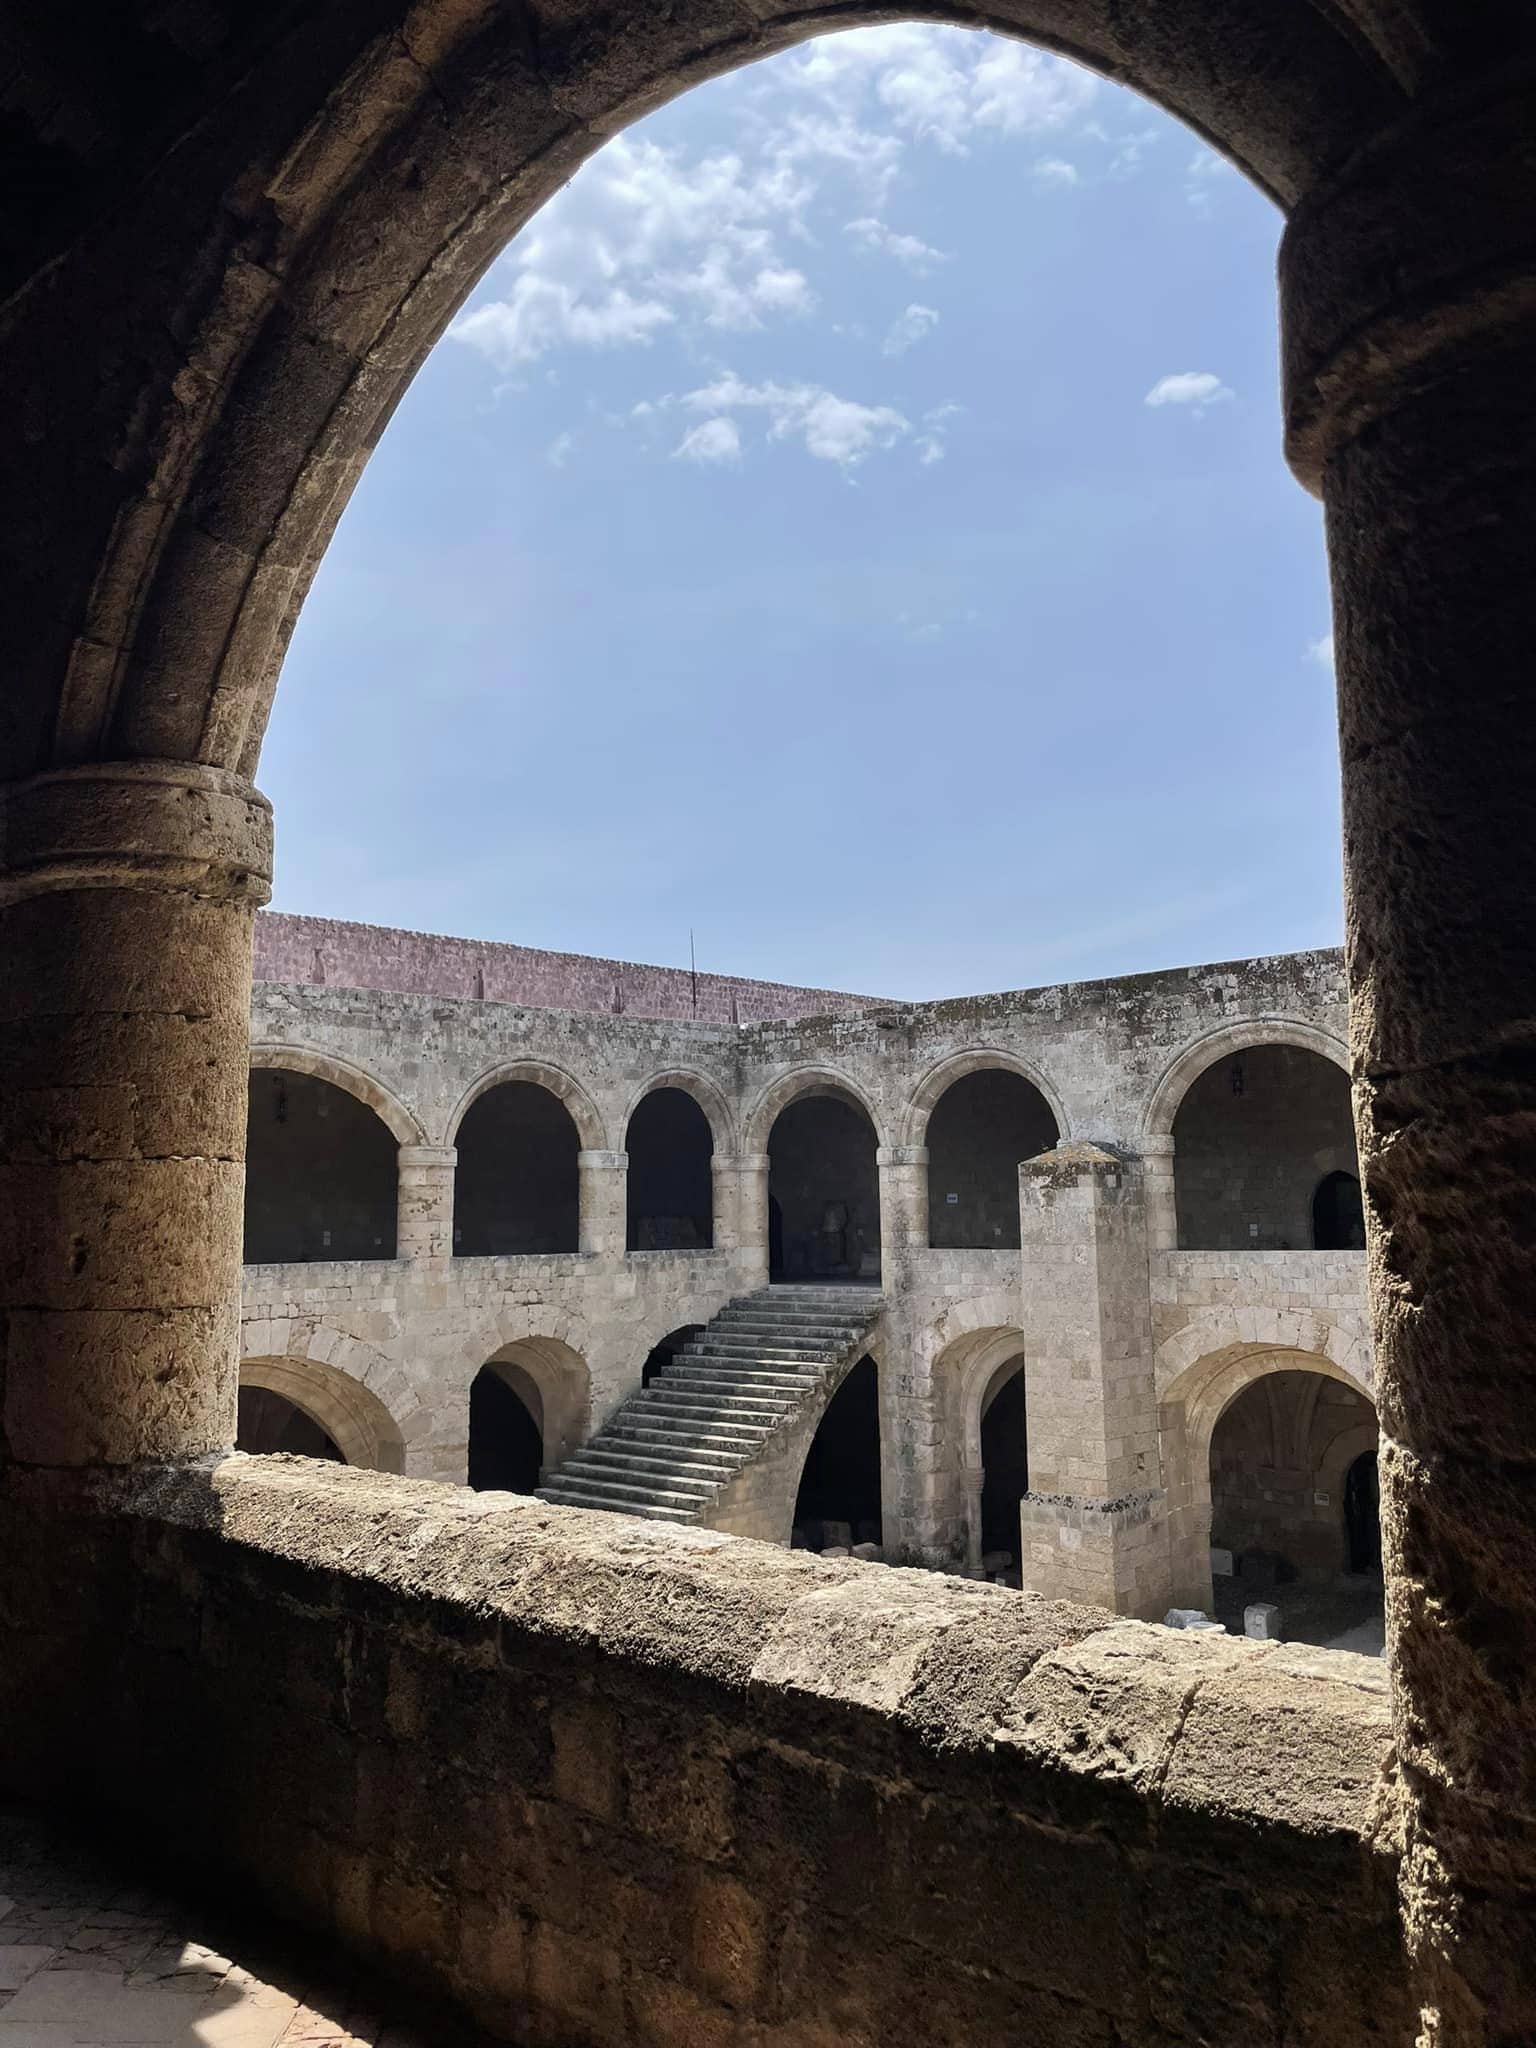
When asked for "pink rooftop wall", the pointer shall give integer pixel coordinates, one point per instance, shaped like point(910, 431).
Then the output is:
point(321, 949)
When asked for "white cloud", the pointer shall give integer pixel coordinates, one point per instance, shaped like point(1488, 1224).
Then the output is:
point(940, 85)
point(1321, 651)
point(558, 453)
point(1197, 389)
point(832, 429)
point(1206, 169)
point(711, 441)
point(911, 327)
point(646, 239)
point(908, 249)
point(1055, 170)
point(931, 446)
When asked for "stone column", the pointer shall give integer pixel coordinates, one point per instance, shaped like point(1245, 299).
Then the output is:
point(1409, 295)
point(604, 1184)
point(903, 1173)
point(752, 1216)
point(1092, 1525)
point(127, 892)
point(1159, 1191)
point(424, 1225)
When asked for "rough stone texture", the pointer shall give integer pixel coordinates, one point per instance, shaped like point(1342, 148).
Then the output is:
point(603, 1782)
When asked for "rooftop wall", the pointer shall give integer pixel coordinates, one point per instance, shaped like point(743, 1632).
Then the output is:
point(326, 951)
point(607, 1784)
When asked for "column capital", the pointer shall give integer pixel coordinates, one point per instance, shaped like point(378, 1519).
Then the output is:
point(1416, 252)
point(901, 1155)
point(603, 1162)
point(172, 826)
point(1156, 1145)
point(429, 1155)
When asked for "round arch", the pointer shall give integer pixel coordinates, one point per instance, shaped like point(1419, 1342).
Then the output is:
point(1186, 1067)
point(554, 1383)
point(352, 1416)
point(939, 1079)
point(433, 184)
point(967, 1372)
point(798, 1083)
point(566, 1089)
point(350, 1079)
point(721, 1117)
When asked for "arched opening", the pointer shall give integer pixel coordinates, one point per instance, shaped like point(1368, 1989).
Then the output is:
point(980, 1128)
point(1293, 1503)
point(823, 1176)
point(517, 1187)
point(1338, 1214)
point(269, 1421)
point(671, 1191)
point(838, 1502)
point(321, 1173)
point(661, 1355)
point(506, 1436)
point(1251, 1138)
point(1004, 1467)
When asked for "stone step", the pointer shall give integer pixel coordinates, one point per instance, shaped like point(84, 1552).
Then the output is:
point(579, 1497)
point(615, 1491)
point(638, 1475)
point(725, 1439)
point(664, 1457)
point(764, 1348)
point(665, 1394)
point(746, 1371)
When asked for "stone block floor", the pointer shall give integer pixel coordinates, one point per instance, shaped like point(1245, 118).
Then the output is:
point(95, 1953)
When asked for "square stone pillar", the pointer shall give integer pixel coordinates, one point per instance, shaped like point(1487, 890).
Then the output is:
point(1092, 1526)
point(424, 1215)
point(604, 1197)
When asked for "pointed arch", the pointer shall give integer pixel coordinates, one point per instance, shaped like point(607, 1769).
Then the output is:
point(566, 1089)
point(1186, 1066)
point(980, 1059)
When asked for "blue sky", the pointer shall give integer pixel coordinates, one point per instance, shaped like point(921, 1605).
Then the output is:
point(850, 522)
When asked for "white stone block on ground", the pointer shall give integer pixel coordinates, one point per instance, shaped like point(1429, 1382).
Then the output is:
point(1262, 1621)
point(870, 1552)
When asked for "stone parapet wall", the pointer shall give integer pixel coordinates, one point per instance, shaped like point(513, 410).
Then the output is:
point(326, 951)
point(607, 1784)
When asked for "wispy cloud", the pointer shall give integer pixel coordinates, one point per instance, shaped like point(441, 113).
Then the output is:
point(908, 329)
point(711, 442)
point(829, 427)
point(1193, 390)
point(915, 253)
point(1055, 170)
point(1321, 651)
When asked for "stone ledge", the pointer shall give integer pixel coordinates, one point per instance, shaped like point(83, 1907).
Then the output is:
point(1266, 1732)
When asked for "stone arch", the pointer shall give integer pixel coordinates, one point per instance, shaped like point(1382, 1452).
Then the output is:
point(977, 1350)
point(552, 1379)
point(353, 1416)
point(1221, 1334)
point(941, 1077)
point(709, 1097)
point(799, 1082)
point(1188, 1411)
point(351, 1080)
point(183, 624)
point(1186, 1067)
point(584, 1112)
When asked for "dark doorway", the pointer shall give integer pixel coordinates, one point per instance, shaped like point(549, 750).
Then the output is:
point(841, 1479)
point(1005, 1465)
point(271, 1422)
point(321, 1173)
point(671, 1192)
point(662, 1354)
point(979, 1130)
point(506, 1446)
point(517, 1188)
point(823, 1176)
point(1338, 1214)
point(1362, 1514)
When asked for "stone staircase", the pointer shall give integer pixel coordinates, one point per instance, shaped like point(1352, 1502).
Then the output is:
point(668, 1451)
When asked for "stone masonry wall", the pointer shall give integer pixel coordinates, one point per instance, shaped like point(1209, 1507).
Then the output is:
point(605, 1784)
point(328, 952)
